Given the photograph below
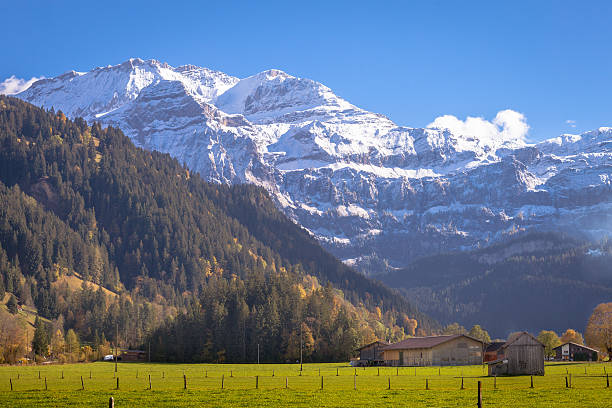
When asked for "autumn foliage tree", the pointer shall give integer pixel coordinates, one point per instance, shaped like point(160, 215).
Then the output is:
point(573, 336)
point(550, 340)
point(479, 333)
point(599, 328)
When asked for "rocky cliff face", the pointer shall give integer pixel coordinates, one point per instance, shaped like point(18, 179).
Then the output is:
point(376, 194)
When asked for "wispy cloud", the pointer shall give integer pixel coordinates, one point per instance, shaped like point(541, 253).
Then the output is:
point(508, 125)
point(14, 85)
point(571, 123)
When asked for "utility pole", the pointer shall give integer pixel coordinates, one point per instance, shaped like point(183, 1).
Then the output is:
point(116, 345)
point(301, 347)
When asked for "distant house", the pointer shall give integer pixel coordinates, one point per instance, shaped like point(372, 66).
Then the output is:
point(457, 349)
point(575, 352)
point(522, 354)
point(371, 354)
point(492, 351)
point(133, 355)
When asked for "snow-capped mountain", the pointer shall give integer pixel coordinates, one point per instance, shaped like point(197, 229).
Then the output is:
point(375, 193)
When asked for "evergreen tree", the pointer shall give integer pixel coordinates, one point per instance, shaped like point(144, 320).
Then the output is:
point(12, 304)
point(40, 341)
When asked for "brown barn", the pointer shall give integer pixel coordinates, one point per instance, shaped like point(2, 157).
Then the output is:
point(575, 352)
point(371, 354)
point(493, 350)
point(456, 349)
point(133, 355)
point(522, 354)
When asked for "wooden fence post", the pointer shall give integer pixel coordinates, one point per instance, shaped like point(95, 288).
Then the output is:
point(231, 373)
point(117, 382)
point(566, 383)
point(184, 382)
point(389, 383)
point(272, 372)
point(111, 402)
point(607, 381)
point(39, 374)
point(286, 382)
point(319, 372)
point(62, 374)
point(479, 395)
point(439, 371)
point(45, 383)
point(222, 379)
point(11, 381)
point(163, 374)
point(136, 373)
point(378, 371)
point(531, 386)
point(149, 381)
point(321, 382)
point(426, 384)
point(396, 371)
point(337, 371)
point(256, 382)
point(462, 383)
point(355, 382)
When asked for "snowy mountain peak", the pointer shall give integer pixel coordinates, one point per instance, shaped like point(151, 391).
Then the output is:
point(377, 194)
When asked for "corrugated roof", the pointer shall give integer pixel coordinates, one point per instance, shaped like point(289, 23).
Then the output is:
point(381, 342)
point(576, 344)
point(424, 342)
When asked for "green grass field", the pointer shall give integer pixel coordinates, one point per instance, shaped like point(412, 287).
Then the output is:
point(282, 385)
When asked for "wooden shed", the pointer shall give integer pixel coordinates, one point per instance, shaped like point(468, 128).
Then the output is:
point(457, 349)
point(372, 354)
point(522, 354)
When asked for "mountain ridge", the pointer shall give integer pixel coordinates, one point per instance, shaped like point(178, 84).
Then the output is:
point(364, 186)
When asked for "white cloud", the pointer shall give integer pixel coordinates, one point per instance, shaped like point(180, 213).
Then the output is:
point(571, 123)
point(508, 125)
point(14, 85)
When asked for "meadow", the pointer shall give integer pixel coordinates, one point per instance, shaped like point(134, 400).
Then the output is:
point(318, 385)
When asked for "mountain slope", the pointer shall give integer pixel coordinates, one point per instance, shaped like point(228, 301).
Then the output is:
point(140, 224)
point(500, 287)
point(376, 194)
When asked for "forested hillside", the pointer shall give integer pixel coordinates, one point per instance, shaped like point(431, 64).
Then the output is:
point(534, 282)
point(83, 202)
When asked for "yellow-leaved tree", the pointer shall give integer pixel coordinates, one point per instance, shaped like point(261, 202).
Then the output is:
point(573, 336)
point(599, 328)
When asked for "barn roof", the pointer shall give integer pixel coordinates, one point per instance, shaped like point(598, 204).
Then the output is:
point(496, 345)
point(515, 336)
point(381, 342)
point(425, 342)
point(576, 344)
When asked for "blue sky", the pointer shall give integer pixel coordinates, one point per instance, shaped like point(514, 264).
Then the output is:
point(412, 61)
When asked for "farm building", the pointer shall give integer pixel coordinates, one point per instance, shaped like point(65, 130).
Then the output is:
point(371, 354)
point(575, 352)
point(492, 350)
point(456, 349)
point(522, 354)
point(133, 355)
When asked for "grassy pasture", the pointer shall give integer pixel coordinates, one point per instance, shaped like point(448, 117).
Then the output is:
point(282, 385)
